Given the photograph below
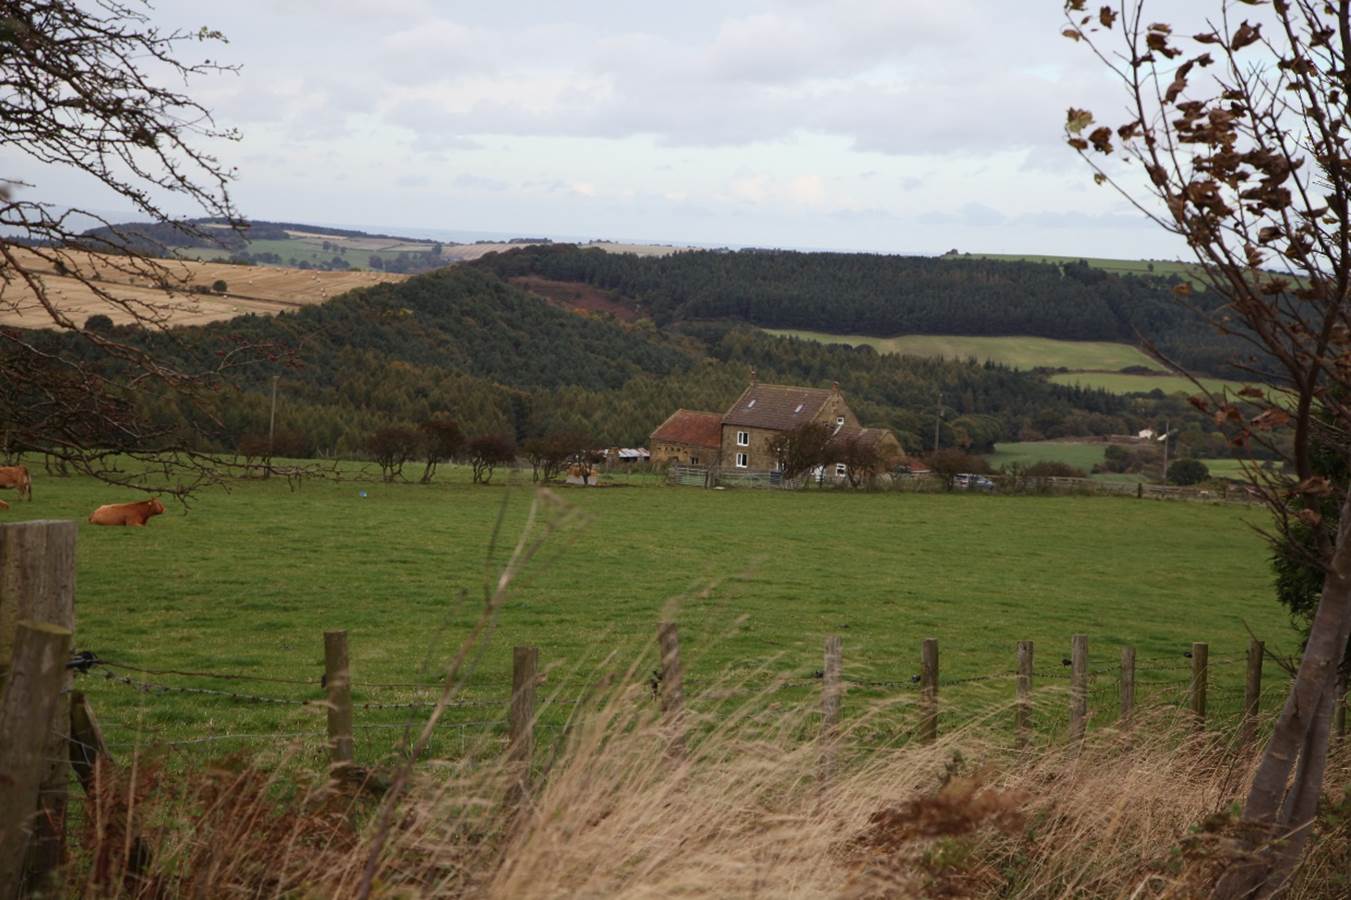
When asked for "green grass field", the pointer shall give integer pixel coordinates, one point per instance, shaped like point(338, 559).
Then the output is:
point(1079, 455)
point(1019, 352)
point(1119, 266)
point(1121, 383)
point(247, 582)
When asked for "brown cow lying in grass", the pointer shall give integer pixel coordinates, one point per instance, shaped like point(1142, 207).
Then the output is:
point(17, 477)
point(127, 513)
point(4, 505)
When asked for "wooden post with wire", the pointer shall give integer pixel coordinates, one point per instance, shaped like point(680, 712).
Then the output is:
point(32, 694)
point(1200, 674)
point(1127, 686)
point(832, 691)
point(37, 584)
point(1252, 691)
point(928, 686)
point(672, 688)
point(1078, 686)
point(521, 746)
point(1022, 711)
point(338, 682)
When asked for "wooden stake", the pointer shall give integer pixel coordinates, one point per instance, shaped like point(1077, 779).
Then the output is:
point(1127, 686)
point(1252, 692)
point(1200, 673)
point(928, 683)
point(338, 679)
point(1078, 686)
point(832, 686)
point(672, 683)
point(521, 749)
point(37, 584)
point(832, 690)
point(1022, 711)
point(86, 742)
point(31, 695)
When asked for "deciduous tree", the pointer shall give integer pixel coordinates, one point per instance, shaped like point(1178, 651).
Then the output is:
point(1241, 133)
point(90, 87)
point(442, 441)
point(801, 449)
point(487, 452)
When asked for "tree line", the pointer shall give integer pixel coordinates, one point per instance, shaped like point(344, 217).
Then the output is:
point(882, 295)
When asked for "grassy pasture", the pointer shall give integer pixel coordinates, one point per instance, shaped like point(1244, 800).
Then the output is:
point(1122, 383)
point(248, 580)
point(1080, 455)
point(1020, 352)
point(1159, 267)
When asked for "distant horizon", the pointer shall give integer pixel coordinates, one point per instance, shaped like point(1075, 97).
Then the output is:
point(470, 236)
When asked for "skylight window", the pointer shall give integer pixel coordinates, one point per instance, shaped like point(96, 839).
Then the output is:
point(799, 408)
point(751, 404)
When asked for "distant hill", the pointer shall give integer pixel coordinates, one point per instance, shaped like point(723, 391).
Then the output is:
point(886, 296)
point(464, 342)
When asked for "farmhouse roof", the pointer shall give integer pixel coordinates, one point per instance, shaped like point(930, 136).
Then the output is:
point(688, 426)
point(776, 406)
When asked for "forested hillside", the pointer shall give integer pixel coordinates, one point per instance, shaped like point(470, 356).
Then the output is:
point(463, 343)
point(879, 295)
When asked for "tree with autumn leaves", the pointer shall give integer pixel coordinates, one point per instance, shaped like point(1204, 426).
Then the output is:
point(1235, 141)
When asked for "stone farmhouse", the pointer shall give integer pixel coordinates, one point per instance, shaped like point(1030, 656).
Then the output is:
point(739, 439)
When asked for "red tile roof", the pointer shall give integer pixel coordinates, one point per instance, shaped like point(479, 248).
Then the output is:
point(776, 406)
point(687, 426)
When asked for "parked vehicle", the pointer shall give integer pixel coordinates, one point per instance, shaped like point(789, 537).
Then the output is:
point(968, 481)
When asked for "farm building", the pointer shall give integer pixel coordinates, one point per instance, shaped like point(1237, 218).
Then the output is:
point(740, 439)
point(688, 437)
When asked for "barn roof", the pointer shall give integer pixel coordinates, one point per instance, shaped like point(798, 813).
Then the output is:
point(777, 406)
point(688, 426)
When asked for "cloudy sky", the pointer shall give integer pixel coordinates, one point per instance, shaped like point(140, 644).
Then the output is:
point(882, 125)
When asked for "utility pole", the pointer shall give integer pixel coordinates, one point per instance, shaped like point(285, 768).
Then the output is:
point(1166, 432)
point(938, 421)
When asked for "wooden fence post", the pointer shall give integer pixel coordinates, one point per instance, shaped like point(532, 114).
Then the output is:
point(32, 692)
point(928, 684)
point(1127, 685)
point(521, 749)
point(1200, 673)
point(1022, 712)
point(37, 584)
point(1252, 692)
point(832, 690)
point(672, 683)
point(338, 680)
point(86, 742)
point(1078, 685)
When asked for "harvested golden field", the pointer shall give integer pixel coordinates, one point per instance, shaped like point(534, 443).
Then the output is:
point(249, 289)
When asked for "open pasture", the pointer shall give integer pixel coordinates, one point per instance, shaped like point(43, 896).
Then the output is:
point(249, 289)
point(1019, 352)
point(1160, 267)
point(1080, 454)
point(1125, 383)
point(246, 582)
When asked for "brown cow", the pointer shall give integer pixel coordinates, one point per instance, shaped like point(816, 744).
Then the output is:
point(17, 477)
point(127, 513)
point(4, 505)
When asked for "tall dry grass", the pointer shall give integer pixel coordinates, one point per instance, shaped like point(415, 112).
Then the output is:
point(745, 811)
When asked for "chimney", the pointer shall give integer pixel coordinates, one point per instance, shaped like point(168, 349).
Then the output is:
point(754, 378)
point(835, 386)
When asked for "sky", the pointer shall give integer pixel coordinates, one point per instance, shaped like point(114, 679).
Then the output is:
point(898, 126)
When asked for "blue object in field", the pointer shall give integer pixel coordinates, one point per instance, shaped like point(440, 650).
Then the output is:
point(362, 493)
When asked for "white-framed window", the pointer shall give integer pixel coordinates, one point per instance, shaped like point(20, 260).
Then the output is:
point(839, 421)
point(743, 438)
point(742, 460)
point(841, 470)
point(694, 459)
